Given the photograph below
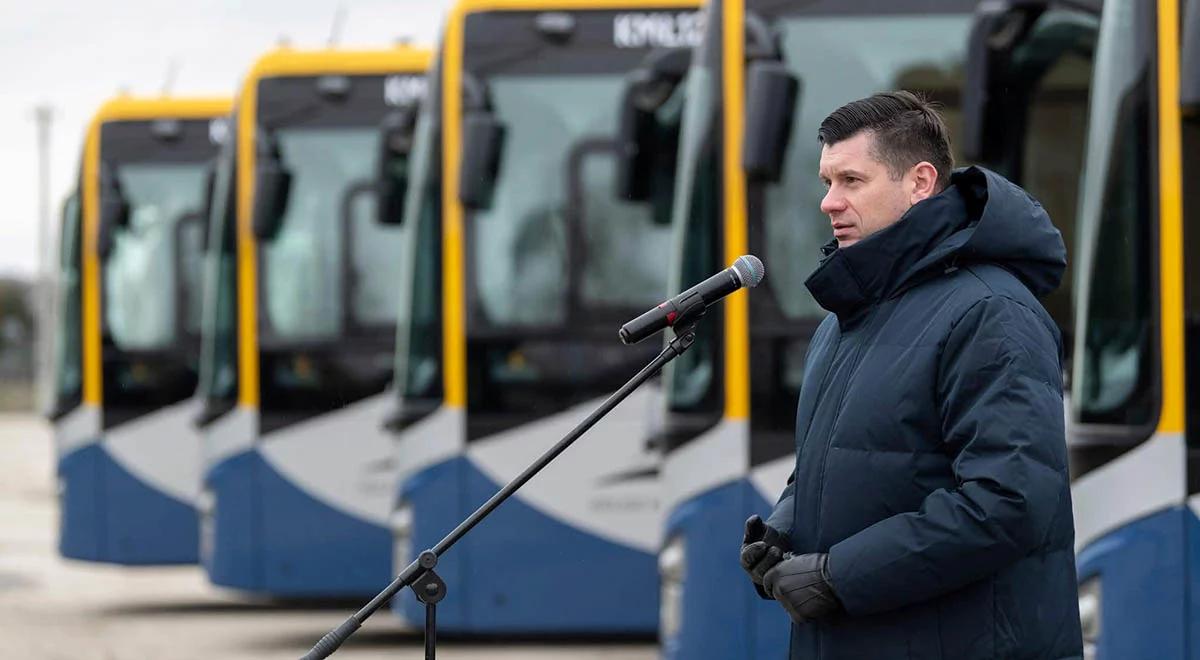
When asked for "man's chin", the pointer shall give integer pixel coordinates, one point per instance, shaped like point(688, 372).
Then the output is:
point(846, 242)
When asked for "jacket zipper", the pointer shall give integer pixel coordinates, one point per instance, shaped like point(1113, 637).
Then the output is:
point(867, 332)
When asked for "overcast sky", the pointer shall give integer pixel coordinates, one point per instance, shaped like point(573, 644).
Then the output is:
point(73, 56)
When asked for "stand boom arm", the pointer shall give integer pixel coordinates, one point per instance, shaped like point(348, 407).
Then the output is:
point(684, 337)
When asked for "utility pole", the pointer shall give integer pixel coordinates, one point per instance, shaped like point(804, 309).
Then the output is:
point(171, 75)
point(43, 281)
point(339, 21)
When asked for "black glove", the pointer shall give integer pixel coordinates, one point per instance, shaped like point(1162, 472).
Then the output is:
point(762, 548)
point(801, 583)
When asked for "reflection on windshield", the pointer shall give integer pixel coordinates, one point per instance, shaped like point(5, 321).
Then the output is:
point(519, 249)
point(156, 259)
point(1111, 383)
point(840, 60)
point(305, 274)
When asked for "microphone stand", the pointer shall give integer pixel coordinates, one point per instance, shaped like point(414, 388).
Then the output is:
point(420, 575)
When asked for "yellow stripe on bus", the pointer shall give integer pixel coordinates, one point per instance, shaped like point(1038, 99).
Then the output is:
point(92, 381)
point(454, 340)
point(737, 308)
point(1170, 243)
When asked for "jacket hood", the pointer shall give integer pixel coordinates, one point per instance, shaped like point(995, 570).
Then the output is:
point(981, 217)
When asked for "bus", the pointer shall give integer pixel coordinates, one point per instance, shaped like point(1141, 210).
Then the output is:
point(541, 245)
point(300, 324)
point(127, 337)
point(1132, 448)
point(762, 80)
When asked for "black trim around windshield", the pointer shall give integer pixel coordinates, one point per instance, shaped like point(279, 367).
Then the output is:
point(777, 8)
point(601, 41)
point(124, 142)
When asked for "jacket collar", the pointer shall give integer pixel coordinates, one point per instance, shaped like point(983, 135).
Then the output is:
point(849, 280)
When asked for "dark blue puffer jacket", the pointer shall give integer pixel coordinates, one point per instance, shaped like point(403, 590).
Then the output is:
point(930, 451)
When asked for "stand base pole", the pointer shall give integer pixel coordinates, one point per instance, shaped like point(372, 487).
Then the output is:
point(430, 630)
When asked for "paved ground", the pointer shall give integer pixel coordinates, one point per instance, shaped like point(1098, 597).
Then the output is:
point(51, 609)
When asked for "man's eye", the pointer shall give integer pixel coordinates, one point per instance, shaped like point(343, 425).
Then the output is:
point(852, 179)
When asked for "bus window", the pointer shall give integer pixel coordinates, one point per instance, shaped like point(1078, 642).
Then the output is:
point(68, 377)
point(1114, 372)
point(218, 361)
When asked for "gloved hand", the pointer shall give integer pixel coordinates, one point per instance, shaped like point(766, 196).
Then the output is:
point(762, 548)
point(801, 583)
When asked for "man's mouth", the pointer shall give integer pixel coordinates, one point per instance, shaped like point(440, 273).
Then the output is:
point(842, 230)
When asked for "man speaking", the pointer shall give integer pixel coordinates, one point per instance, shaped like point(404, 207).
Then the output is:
point(929, 513)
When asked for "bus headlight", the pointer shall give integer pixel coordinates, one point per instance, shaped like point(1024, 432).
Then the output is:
point(206, 505)
point(402, 530)
point(672, 562)
point(1089, 615)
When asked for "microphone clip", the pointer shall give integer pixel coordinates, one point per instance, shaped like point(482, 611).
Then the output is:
point(689, 310)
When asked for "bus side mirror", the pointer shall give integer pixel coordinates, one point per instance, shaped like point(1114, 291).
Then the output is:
point(114, 212)
point(633, 158)
point(1189, 81)
point(483, 142)
point(395, 145)
point(996, 29)
point(272, 183)
point(647, 88)
point(772, 94)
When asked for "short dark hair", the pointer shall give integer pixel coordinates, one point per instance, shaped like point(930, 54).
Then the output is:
point(907, 129)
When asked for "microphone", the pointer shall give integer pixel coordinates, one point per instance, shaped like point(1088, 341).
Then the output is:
point(747, 272)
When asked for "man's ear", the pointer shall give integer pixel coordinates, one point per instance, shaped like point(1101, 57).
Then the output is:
point(924, 180)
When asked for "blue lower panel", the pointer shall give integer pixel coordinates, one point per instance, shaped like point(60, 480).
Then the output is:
point(722, 616)
point(436, 497)
point(1141, 568)
point(1192, 525)
point(271, 536)
point(231, 545)
point(109, 515)
point(521, 571)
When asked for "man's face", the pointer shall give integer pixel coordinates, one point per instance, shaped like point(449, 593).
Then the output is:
point(862, 197)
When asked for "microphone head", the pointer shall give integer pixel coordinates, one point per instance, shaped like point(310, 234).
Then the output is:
point(750, 270)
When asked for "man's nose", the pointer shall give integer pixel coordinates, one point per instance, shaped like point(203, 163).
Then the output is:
point(833, 202)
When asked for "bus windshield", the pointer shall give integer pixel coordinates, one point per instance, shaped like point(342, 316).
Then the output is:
point(556, 261)
point(328, 243)
point(526, 253)
point(152, 278)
